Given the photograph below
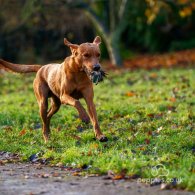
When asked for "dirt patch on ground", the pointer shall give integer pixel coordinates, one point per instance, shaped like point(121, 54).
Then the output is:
point(32, 179)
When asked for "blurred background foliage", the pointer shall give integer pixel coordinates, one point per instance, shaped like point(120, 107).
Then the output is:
point(33, 30)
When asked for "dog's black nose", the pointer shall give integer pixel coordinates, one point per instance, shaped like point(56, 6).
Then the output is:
point(96, 67)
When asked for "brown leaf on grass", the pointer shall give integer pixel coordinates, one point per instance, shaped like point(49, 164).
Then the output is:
point(121, 175)
point(149, 133)
point(153, 76)
point(153, 115)
point(113, 176)
point(130, 94)
point(23, 132)
point(172, 99)
point(147, 141)
point(142, 148)
point(89, 153)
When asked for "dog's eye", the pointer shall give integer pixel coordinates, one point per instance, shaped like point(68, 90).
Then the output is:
point(98, 55)
point(86, 55)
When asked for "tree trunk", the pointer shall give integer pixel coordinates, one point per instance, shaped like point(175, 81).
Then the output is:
point(112, 45)
point(112, 40)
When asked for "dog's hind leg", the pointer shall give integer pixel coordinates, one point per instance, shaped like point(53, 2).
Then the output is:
point(41, 91)
point(43, 106)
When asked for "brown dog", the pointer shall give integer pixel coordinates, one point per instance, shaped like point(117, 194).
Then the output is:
point(66, 83)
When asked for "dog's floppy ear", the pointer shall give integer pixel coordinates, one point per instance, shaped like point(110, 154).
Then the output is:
point(97, 40)
point(69, 44)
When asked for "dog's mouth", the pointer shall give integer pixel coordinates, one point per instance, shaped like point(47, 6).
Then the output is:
point(96, 76)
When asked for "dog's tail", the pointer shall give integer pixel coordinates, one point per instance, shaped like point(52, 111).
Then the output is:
point(18, 68)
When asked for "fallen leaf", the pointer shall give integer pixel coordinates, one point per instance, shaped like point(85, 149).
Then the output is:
point(147, 141)
point(172, 99)
point(76, 173)
point(142, 148)
point(130, 94)
point(151, 115)
point(23, 132)
point(149, 133)
point(89, 153)
point(118, 177)
point(156, 116)
point(153, 76)
point(121, 175)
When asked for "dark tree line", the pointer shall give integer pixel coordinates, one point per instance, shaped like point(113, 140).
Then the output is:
point(124, 25)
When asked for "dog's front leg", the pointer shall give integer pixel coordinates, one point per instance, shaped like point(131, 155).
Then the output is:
point(66, 99)
point(88, 96)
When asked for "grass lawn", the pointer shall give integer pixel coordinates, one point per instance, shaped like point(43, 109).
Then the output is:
point(148, 116)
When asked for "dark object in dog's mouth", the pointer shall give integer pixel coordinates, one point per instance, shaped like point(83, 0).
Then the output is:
point(97, 76)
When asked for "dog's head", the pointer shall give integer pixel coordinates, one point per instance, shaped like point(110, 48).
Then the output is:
point(87, 56)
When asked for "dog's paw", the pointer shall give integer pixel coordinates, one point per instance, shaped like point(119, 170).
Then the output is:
point(103, 138)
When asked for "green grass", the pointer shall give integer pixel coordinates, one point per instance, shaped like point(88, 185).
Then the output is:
point(148, 116)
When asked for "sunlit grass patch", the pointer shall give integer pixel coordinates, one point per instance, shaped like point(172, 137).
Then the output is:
point(148, 116)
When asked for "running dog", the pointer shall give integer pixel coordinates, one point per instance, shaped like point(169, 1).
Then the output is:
point(66, 83)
